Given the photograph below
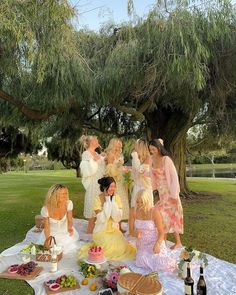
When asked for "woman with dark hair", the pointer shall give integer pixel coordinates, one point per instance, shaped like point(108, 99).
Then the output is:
point(106, 234)
point(165, 180)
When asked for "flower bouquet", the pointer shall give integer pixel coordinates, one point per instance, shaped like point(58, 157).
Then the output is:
point(187, 255)
point(128, 180)
point(88, 270)
point(110, 278)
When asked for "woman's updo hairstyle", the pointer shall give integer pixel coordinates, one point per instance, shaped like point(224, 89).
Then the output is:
point(86, 140)
point(105, 182)
point(158, 143)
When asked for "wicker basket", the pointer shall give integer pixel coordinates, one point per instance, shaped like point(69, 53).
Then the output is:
point(46, 256)
point(137, 284)
point(39, 221)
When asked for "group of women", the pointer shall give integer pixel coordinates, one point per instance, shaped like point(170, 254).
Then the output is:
point(106, 203)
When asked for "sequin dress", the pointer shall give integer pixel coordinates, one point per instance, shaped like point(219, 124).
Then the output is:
point(145, 257)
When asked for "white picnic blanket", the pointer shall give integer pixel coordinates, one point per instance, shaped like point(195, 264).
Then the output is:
point(220, 275)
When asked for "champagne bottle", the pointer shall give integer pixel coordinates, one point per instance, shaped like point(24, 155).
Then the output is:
point(201, 285)
point(188, 282)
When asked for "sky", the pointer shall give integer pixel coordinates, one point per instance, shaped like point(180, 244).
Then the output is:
point(93, 13)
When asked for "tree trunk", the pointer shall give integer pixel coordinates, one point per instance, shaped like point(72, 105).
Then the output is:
point(172, 126)
point(77, 172)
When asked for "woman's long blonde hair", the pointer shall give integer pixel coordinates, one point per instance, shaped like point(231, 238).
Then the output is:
point(144, 196)
point(86, 140)
point(141, 148)
point(111, 147)
point(53, 196)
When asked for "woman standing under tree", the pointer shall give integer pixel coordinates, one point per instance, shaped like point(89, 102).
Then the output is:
point(114, 167)
point(165, 180)
point(141, 170)
point(92, 168)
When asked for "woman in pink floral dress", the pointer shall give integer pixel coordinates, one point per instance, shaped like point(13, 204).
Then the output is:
point(165, 180)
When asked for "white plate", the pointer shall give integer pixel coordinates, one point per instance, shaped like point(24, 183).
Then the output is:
point(89, 262)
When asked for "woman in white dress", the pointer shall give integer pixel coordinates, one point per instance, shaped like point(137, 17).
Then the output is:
point(92, 168)
point(58, 221)
point(114, 168)
point(141, 171)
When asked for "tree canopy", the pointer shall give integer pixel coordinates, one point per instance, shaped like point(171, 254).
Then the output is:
point(156, 76)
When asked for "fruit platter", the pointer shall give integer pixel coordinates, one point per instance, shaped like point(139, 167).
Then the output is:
point(24, 271)
point(63, 283)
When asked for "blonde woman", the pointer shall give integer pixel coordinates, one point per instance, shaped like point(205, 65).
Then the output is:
point(92, 168)
point(58, 222)
point(145, 224)
point(114, 167)
point(141, 171)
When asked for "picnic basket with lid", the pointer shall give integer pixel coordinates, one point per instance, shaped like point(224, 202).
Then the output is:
point(137, 284)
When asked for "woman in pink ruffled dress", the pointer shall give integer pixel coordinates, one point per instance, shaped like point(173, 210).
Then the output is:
point(165, 180)
point(146, 225)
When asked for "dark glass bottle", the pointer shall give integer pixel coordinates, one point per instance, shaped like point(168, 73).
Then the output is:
point(188, 282)
point(201, 285)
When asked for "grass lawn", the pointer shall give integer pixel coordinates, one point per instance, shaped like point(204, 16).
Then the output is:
point(215, 166)
point(210, 225)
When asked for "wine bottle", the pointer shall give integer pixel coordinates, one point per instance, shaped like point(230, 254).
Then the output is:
point(54, 261)
point(201, 285)
point(188, 282)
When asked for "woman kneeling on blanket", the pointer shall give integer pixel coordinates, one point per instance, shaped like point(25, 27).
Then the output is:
point(106, 233)
point(58, 222)
point(146, 225)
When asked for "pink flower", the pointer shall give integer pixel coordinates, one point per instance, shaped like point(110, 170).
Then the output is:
point(111, 284)
point(114, 276)
point(126, 169)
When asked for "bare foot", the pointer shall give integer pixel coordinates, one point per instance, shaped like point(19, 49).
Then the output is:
point(176, 246)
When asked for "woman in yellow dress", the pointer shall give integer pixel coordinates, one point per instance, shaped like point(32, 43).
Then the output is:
point(106, 233)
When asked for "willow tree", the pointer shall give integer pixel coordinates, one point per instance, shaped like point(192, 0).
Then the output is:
point(156, 76)
point(41, 71)
point(168, 72)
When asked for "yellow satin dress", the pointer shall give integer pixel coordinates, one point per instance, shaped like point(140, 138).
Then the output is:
point(111, 239)
point(116, 171)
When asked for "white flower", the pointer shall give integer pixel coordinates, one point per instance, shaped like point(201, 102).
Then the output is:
point(33, 250)
point(124, 270)
point(197, 253)
point(98, 266)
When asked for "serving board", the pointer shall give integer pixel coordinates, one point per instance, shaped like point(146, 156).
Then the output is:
point(50, 292)
point(16, 276)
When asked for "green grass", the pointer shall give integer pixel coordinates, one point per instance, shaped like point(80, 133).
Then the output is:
point(215, 166)
point(210, 225)
point(22, 196)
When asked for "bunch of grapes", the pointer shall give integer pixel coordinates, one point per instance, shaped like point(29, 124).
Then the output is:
point(68, 281)
point(27, 268)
